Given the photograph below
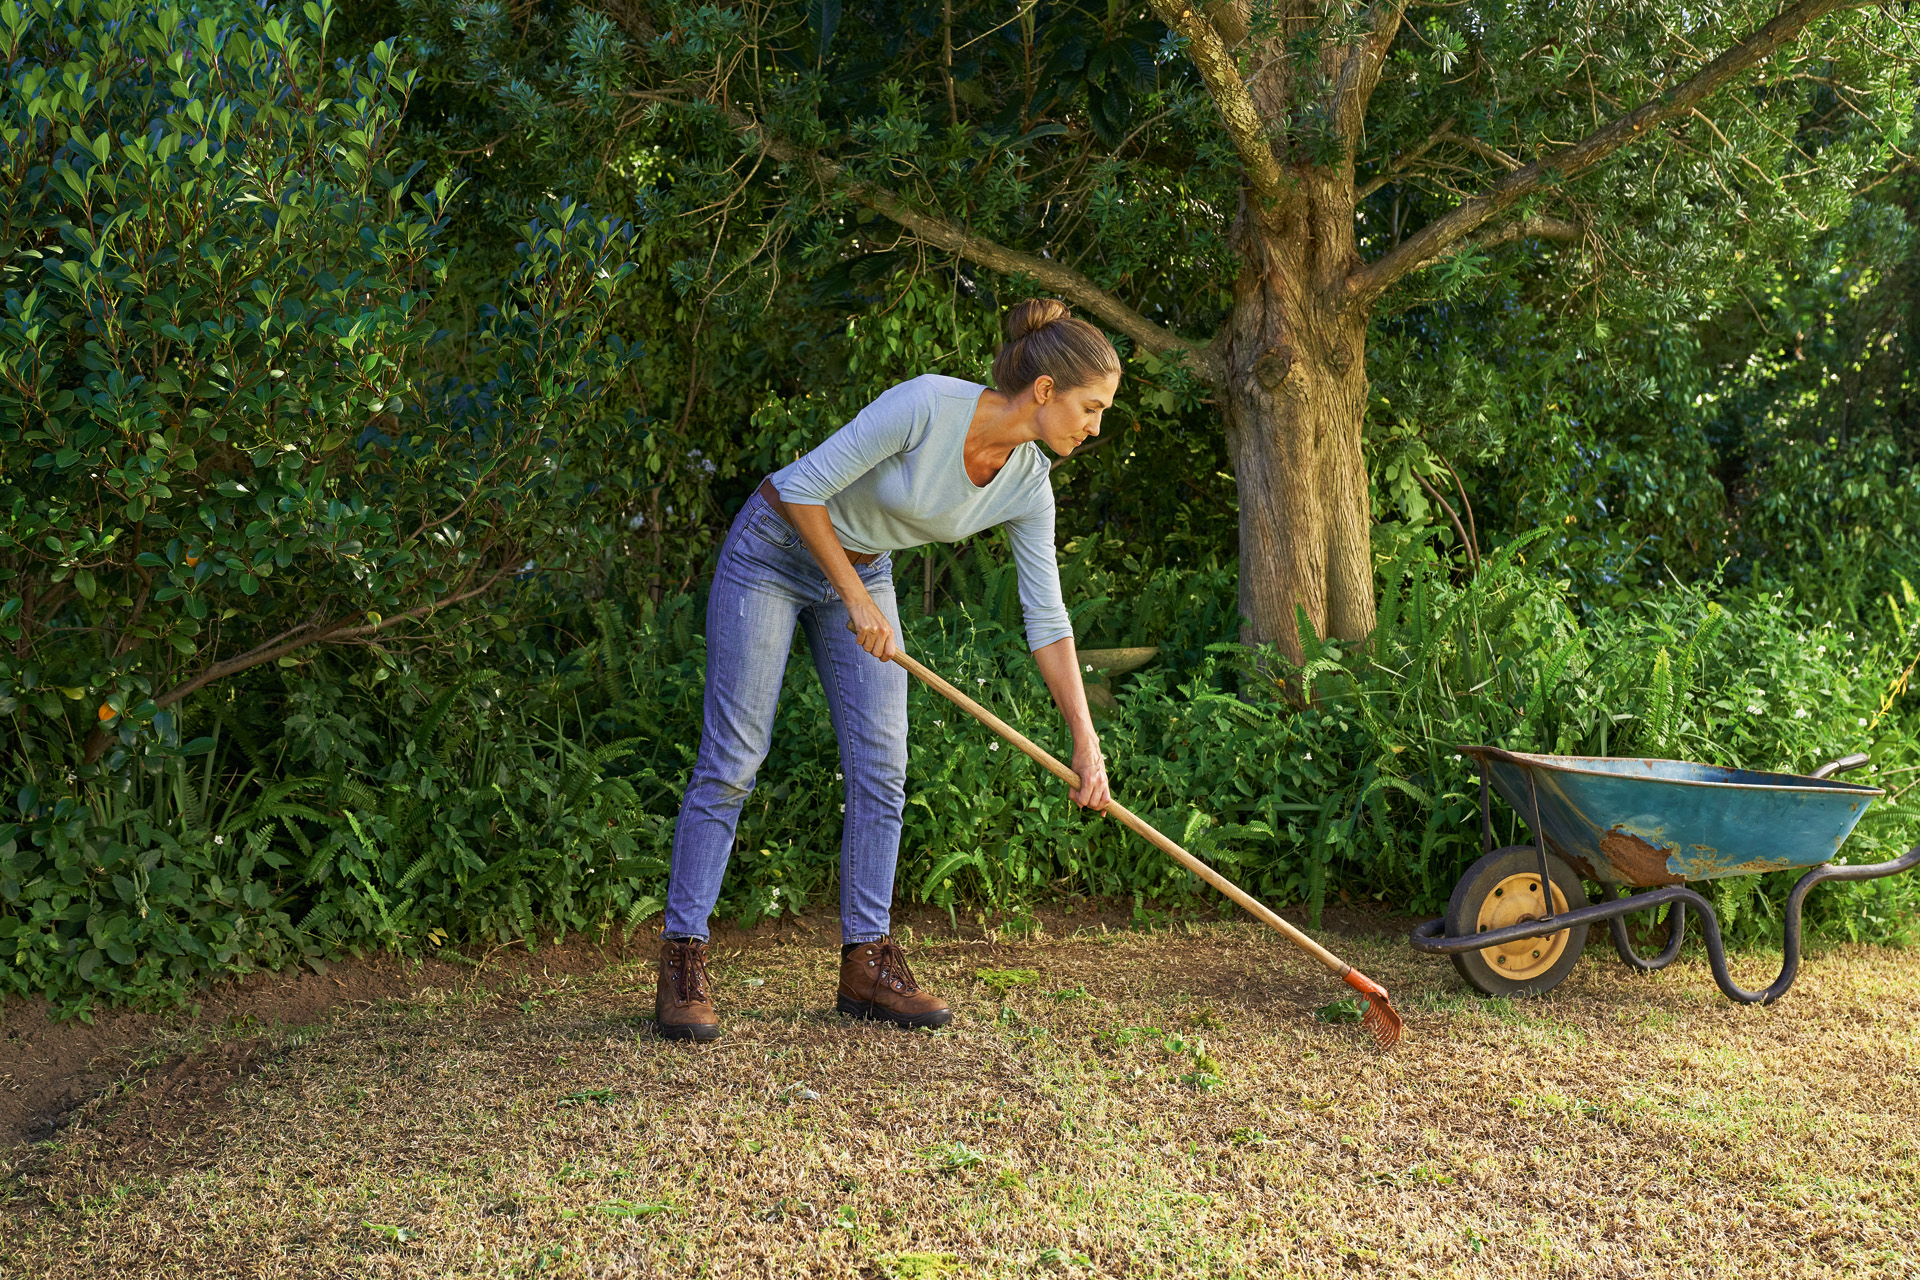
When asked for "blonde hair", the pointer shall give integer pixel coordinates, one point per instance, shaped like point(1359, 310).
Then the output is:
point(1043, 338)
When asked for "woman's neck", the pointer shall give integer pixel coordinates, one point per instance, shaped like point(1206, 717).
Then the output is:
point(1002, 423)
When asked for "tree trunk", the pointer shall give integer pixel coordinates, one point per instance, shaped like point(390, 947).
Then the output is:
point(1296, 399)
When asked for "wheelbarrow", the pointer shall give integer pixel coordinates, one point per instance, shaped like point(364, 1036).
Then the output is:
point(1640, 829)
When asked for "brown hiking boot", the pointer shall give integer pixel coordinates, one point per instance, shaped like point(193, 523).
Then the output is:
point(875, 983)
point(682, 1003)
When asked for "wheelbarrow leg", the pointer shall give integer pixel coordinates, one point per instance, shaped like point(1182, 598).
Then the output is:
point(1790, 942)
point(1676, 935)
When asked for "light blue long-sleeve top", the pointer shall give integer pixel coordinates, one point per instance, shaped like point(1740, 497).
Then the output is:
point(896, 477)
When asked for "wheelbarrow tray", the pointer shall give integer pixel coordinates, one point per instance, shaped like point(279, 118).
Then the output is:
point(1646, 823)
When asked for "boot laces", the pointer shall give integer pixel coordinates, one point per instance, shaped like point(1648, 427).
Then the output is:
point(690, 973)
point(892, 964)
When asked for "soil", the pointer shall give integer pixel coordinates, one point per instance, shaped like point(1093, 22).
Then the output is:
point(163, 1065)
point(49, 1068)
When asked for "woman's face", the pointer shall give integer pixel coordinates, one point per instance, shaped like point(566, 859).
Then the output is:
point(1068, 415)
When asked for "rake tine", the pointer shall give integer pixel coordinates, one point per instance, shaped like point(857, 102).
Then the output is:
point(1381, 1018)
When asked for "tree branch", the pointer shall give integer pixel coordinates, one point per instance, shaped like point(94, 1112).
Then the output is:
point(1218, 68)
point(1487, 151)
point(1360, 73)
point(944, 233)
point(327, 630)
point(1429, 244)
point(1531, 227)
point(1473, 552)
point(1399, 164)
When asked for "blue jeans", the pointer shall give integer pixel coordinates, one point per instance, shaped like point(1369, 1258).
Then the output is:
point(765, 582)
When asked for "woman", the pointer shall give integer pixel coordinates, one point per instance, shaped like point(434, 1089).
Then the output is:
point(932, 460)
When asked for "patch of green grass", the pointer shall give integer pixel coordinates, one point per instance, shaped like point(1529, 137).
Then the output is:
point(633, 1209)
point(1001, 981)
point(951, 1157)
point(918, 1266)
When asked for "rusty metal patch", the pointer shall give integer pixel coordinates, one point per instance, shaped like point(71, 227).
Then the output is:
point(1706, 863)
point(1635, 861)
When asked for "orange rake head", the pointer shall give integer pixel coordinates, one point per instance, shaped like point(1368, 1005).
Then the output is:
point(1380, 1017)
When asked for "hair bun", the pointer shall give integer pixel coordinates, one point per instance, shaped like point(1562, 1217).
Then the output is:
point(1034, 314)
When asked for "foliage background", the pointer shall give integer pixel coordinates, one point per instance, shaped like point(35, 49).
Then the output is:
point(1697, 531)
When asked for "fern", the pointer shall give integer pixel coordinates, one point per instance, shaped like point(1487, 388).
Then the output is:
point(494, 871)
point(614, 650)
point(299, 836)
point(270, 805)
point(1660, 700)
point(415, 871)
point(249, 746)
point(643, 906)
point(429, 725)
point(1390, 637)
point(193, 813)
point(322, 914)
point(1550, 676)
point(1702, 643)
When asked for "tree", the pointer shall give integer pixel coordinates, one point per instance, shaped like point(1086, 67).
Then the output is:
point(1237, 189)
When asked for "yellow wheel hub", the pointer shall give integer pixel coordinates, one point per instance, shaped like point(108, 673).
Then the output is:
point(1516, 900)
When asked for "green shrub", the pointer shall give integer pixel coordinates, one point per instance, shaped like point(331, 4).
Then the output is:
point(533, 792)
point(216, 447)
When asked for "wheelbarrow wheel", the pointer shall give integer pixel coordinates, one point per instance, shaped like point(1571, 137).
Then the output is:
point(1503, 889)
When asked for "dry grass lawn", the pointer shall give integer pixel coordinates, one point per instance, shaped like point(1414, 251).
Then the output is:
point(1108, 1104)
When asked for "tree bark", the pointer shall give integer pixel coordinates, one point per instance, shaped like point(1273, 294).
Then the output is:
point(1295, 392)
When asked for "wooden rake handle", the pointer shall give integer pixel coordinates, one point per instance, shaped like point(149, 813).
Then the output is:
point(1152, 835)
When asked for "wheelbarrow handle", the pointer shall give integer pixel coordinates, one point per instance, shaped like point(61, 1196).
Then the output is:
point(1841, 765)
point(1146, 830)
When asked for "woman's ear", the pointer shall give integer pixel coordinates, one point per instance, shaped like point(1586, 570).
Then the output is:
point(1043, 388)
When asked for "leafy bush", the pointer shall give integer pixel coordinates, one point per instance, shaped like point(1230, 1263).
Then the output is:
point(534, 791)
point(216, 448)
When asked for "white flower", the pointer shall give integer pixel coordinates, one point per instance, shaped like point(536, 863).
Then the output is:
point(1801, 714)
point(993, 746)
point(1821, 649)
point(843, 808)
point(1310, 756)
point(979, 679)
point(1863, 722)
point(1089, 666)
point(837, 774)
point(938, 723)
point(1755, 709)
point(223, 839)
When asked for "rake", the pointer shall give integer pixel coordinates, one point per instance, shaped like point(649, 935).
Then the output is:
point(1380, 1018)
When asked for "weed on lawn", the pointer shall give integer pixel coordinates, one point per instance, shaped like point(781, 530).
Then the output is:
point(1161, 1104)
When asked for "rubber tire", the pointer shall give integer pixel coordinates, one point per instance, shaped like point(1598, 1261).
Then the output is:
point(1463, 917)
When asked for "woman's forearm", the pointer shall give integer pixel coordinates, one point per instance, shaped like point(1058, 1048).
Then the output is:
point(1060, 667)
point(815, 528)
